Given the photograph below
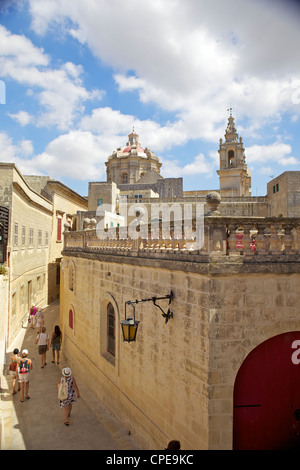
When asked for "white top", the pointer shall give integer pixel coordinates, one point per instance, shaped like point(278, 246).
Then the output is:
point(43, 337)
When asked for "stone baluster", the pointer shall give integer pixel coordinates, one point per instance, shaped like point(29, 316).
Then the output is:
point(182, 245)
point(150, 244)
point(218, 239)
point(141, 245)
point(168, 244)
point(123, 244)
point(253, 236)
point(275, 240)
point(257, 239)
point(295, 238)
point(239, 235)
point(190, 245)
point(288, 239)
point(267, 236)
point(230, 242)
point(127, 244)
point(281, 236)
point(88, 238)
point(84, 240)
point(176, 245)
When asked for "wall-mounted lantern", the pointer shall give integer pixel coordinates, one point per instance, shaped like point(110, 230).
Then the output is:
point(130, 324)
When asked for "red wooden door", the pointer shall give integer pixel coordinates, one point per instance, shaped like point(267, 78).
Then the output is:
point(267, 396)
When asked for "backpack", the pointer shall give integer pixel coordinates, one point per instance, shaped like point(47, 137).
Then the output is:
point(23, 367)
point(63, 389)
point(13, 367)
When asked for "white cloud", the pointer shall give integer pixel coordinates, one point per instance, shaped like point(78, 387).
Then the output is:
point(59, 92)
point(277, 152)
point(16, 46)
point(17, 153)
point(26, 147)
point(286, 161)
point(199, 166)
point(10, 151)
point(77, 154)
point(192, 58)
point(106, 121)
point(22, 117)
point(129, 83)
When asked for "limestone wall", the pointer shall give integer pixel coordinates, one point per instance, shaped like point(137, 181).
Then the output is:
point(245, 310)
point(3, 319)
point(176, 381)
point(29, 245)
point(155, 386)
point(284, 194)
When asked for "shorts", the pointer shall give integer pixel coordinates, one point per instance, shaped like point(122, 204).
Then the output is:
point(42, 348)
point(24, 377)
point(56, 347)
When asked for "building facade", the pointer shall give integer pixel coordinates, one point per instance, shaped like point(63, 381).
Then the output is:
point(33, 211)
point(227, 279)
point(178, 380)
point(206, 377)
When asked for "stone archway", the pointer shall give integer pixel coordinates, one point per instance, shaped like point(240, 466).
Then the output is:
point(266, 401)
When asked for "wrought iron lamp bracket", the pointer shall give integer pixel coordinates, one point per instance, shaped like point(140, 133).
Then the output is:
point(167, 315)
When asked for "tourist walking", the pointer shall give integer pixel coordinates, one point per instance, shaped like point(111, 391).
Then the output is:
point(32, 313)
point(72, 392)
point(13, 370)
point(43, 345)
point(24, 368)
point(56, 340)
point(39, 319)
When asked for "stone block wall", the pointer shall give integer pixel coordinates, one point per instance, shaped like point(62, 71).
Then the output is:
point(284, 194)
point(245, 310)
point(3, 319)
point(156, 385)
point(177, 380)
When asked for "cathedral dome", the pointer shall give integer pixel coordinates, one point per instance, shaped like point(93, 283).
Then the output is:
point(129, 163)
point(129, 148)
point(133, 147)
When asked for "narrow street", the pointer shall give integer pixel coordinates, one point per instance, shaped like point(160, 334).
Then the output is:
point(38, 423)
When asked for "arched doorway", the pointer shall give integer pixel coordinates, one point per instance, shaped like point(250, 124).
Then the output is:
point(266, 413)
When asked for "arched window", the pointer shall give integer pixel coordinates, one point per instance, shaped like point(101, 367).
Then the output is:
point(231, 158)
point(71, 319)
point(124, 178)
point(110, 329)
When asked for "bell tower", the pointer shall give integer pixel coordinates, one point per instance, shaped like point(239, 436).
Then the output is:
point(234, 176)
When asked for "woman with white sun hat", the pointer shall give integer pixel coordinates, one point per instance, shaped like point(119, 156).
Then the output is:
point(67, 403)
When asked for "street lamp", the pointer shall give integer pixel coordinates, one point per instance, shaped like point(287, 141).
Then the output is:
point(130, 324)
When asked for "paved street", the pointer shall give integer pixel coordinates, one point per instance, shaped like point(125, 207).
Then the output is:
point(38, 423)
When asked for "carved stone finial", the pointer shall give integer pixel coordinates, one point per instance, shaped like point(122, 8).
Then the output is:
point(213, 200)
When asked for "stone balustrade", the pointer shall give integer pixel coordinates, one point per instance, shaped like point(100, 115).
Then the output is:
point(222, 237)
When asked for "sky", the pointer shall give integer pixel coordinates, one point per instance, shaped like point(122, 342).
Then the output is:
point(77, 76)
